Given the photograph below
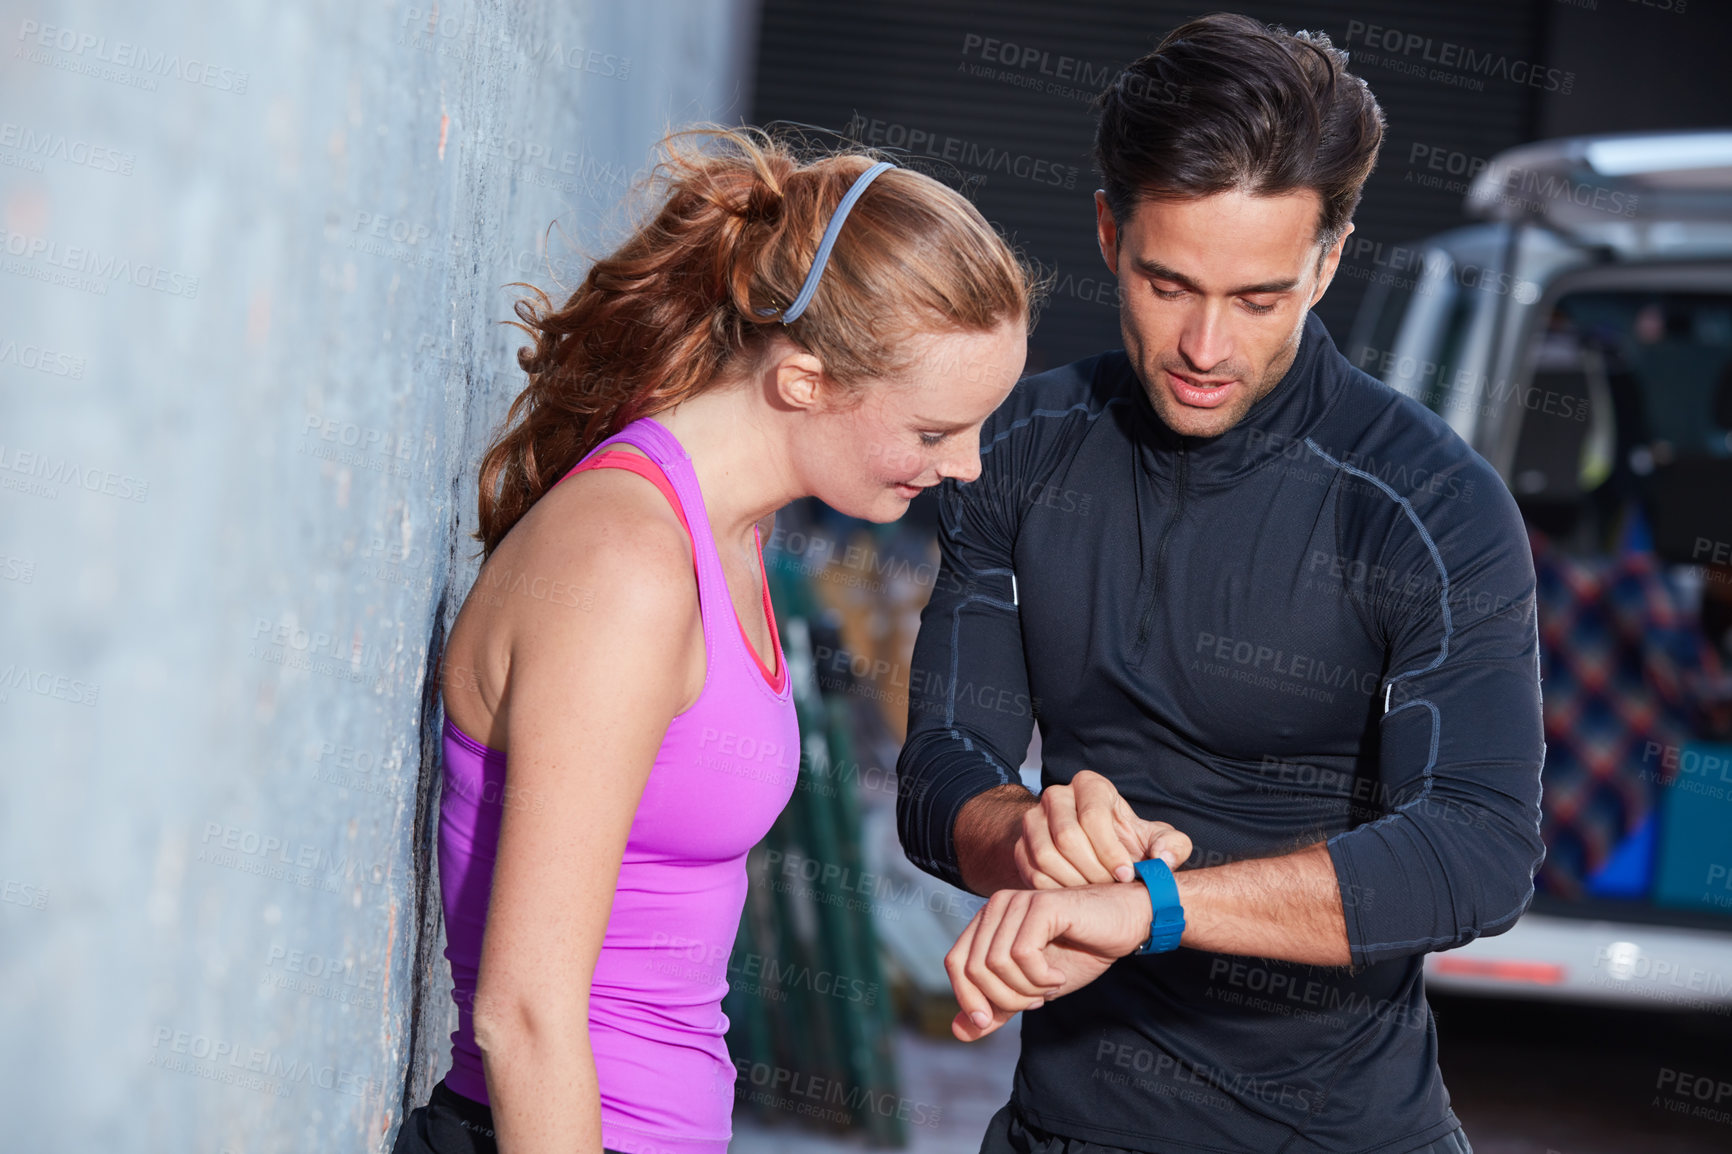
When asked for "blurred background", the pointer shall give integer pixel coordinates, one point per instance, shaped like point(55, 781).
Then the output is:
point(253, 264)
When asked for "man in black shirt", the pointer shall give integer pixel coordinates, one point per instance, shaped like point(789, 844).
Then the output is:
point(1276, 623)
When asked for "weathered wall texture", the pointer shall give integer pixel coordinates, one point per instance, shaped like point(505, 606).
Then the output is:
point(252, 263)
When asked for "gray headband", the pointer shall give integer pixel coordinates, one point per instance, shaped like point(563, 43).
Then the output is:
point(808, 289)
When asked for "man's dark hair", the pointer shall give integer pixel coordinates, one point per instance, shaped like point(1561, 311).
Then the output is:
point(1227, 102)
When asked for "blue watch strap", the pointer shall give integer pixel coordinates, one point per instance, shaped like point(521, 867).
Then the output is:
point(1168, 923)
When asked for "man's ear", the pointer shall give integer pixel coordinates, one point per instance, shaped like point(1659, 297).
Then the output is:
point(1331, 261)
point(1106, 232)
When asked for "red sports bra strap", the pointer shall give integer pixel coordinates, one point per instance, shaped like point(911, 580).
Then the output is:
point(643, 467)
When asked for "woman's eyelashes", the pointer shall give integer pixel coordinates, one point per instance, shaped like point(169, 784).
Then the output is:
point(932, 439)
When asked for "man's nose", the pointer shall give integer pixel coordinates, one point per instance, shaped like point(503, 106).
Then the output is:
point(1204, 340)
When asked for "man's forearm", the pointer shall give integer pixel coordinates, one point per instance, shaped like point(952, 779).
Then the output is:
point(986, 832)
point(1287, 907)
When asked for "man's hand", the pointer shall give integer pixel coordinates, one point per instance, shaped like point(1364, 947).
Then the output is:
point(1084, 833)
point(1024, 948)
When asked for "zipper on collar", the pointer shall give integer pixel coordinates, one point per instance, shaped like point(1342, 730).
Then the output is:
point(1148, 613)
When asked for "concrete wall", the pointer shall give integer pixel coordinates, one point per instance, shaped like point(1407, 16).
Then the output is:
point(252, 260)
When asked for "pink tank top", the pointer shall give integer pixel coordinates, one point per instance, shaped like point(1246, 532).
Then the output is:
point(725, 769)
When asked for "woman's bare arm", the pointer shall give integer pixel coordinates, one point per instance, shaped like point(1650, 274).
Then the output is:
point(588, 699)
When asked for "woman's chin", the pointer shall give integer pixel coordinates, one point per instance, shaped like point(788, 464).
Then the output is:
point(888, 507)
point(886, 511)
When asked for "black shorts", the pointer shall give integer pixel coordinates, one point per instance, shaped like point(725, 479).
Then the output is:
point(449, 1124)
point(1008, 1133)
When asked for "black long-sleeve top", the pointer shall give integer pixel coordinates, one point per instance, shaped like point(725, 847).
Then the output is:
point(1318, 626)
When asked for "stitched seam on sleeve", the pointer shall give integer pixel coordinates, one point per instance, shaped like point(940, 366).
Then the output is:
point(1431, 546)
point(955, 674)
point(1022, 421)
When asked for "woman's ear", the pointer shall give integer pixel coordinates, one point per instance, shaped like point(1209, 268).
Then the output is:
point(797, 380)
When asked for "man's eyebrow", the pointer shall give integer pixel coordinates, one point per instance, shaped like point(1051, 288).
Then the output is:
point(1155, 268)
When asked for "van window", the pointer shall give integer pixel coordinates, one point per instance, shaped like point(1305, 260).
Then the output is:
point(1416, 343)
point(1629, 414)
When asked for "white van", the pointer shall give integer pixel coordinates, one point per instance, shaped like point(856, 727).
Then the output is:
point(1580, 339)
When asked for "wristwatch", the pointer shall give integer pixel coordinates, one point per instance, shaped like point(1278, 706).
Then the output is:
point(1168, 923)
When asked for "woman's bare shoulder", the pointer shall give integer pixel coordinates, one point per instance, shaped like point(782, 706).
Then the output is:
point(600, 561)
point(601, 544)
point(598, 520)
